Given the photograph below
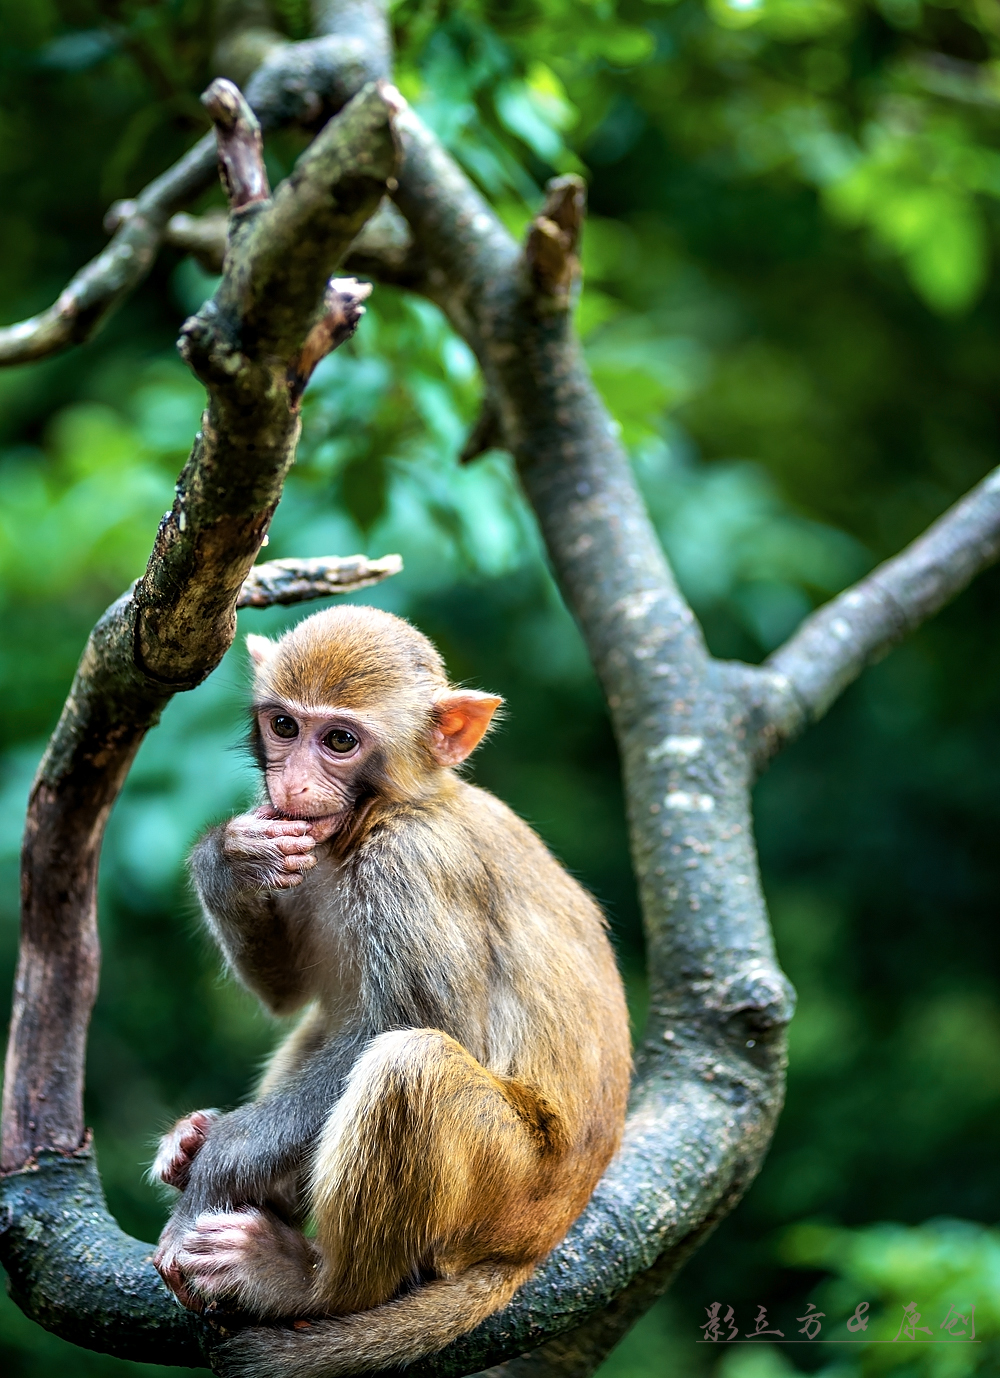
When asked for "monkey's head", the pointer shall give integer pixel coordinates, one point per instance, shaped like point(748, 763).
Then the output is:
point(353, 702)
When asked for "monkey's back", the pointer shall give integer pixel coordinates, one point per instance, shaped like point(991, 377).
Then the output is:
point(489, 939)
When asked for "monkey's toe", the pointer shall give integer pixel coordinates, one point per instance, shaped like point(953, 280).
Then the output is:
point(179, 1148)
point(247, 1259)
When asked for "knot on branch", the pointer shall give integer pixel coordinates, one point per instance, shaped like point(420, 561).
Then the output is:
point(241, 150)
point(342, 310)
point(756, 1002)
point(206, 345)
point(553, 240)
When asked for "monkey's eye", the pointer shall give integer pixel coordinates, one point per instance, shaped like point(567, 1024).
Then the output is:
point(340, 740)
point(284, 726)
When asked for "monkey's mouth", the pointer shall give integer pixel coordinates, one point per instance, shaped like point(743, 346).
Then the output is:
point(321, 826)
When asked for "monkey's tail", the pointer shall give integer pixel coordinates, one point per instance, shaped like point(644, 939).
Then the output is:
point(409, 1328)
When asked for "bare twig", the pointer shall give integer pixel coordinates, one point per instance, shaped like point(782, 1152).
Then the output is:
point(383, 249)
point(87, 301)
point(241, 149)
point(831, 648)
point(201, 236)
point(297, 581)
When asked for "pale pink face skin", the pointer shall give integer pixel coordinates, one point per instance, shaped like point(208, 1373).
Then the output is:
point(313, 758)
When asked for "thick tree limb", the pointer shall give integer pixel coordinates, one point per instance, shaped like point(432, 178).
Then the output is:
point(709, 1085)
point(174, 627)
point(804, 677)
point(297, 83)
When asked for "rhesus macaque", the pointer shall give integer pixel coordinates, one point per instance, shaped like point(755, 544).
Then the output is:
point(457, 1083)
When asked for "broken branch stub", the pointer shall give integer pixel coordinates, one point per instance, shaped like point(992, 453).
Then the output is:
point(241, 149)
point(553, 240)
point(342, 310)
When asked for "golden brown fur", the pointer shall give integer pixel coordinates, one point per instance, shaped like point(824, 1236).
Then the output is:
point(459, 1077)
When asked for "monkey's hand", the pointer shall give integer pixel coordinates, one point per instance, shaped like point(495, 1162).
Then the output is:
point(246, 1259)
point(179, 1147)
point(268, 853)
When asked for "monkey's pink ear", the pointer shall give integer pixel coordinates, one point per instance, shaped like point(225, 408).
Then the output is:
point(461, 717)
point(260, 649)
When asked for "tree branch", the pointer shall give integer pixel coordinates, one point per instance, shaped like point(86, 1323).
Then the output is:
point(301, 83)
point(174, 627)
point(297, 581)
point(383, 249)
point(804, 677)
point(240, 146)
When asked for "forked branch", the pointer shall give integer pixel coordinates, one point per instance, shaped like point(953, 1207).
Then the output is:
point(298, 83)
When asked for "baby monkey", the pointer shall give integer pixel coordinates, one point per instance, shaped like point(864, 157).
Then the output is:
point(457, 1083)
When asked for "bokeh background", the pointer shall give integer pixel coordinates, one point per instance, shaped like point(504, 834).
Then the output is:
point(792, 308)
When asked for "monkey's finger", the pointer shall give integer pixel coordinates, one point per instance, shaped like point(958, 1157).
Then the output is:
point(288, 846)
point(287, 880)
point(285, 827)
point(199, 1266)
point(218, 1239)
point(304, 862)
point(209, 1221)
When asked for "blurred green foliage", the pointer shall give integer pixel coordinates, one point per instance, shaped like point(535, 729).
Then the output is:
point(791, 308)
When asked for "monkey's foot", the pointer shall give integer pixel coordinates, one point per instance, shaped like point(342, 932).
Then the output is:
point(248, 1259)
point(179, 1148)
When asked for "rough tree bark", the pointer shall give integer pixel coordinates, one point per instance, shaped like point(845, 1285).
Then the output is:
point(693, 732)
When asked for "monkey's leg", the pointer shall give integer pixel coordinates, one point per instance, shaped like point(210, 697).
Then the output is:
point(428, 1165)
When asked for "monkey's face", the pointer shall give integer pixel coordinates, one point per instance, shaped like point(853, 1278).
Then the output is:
point(315, 761)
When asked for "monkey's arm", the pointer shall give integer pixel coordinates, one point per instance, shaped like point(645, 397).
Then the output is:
point(238, 869)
